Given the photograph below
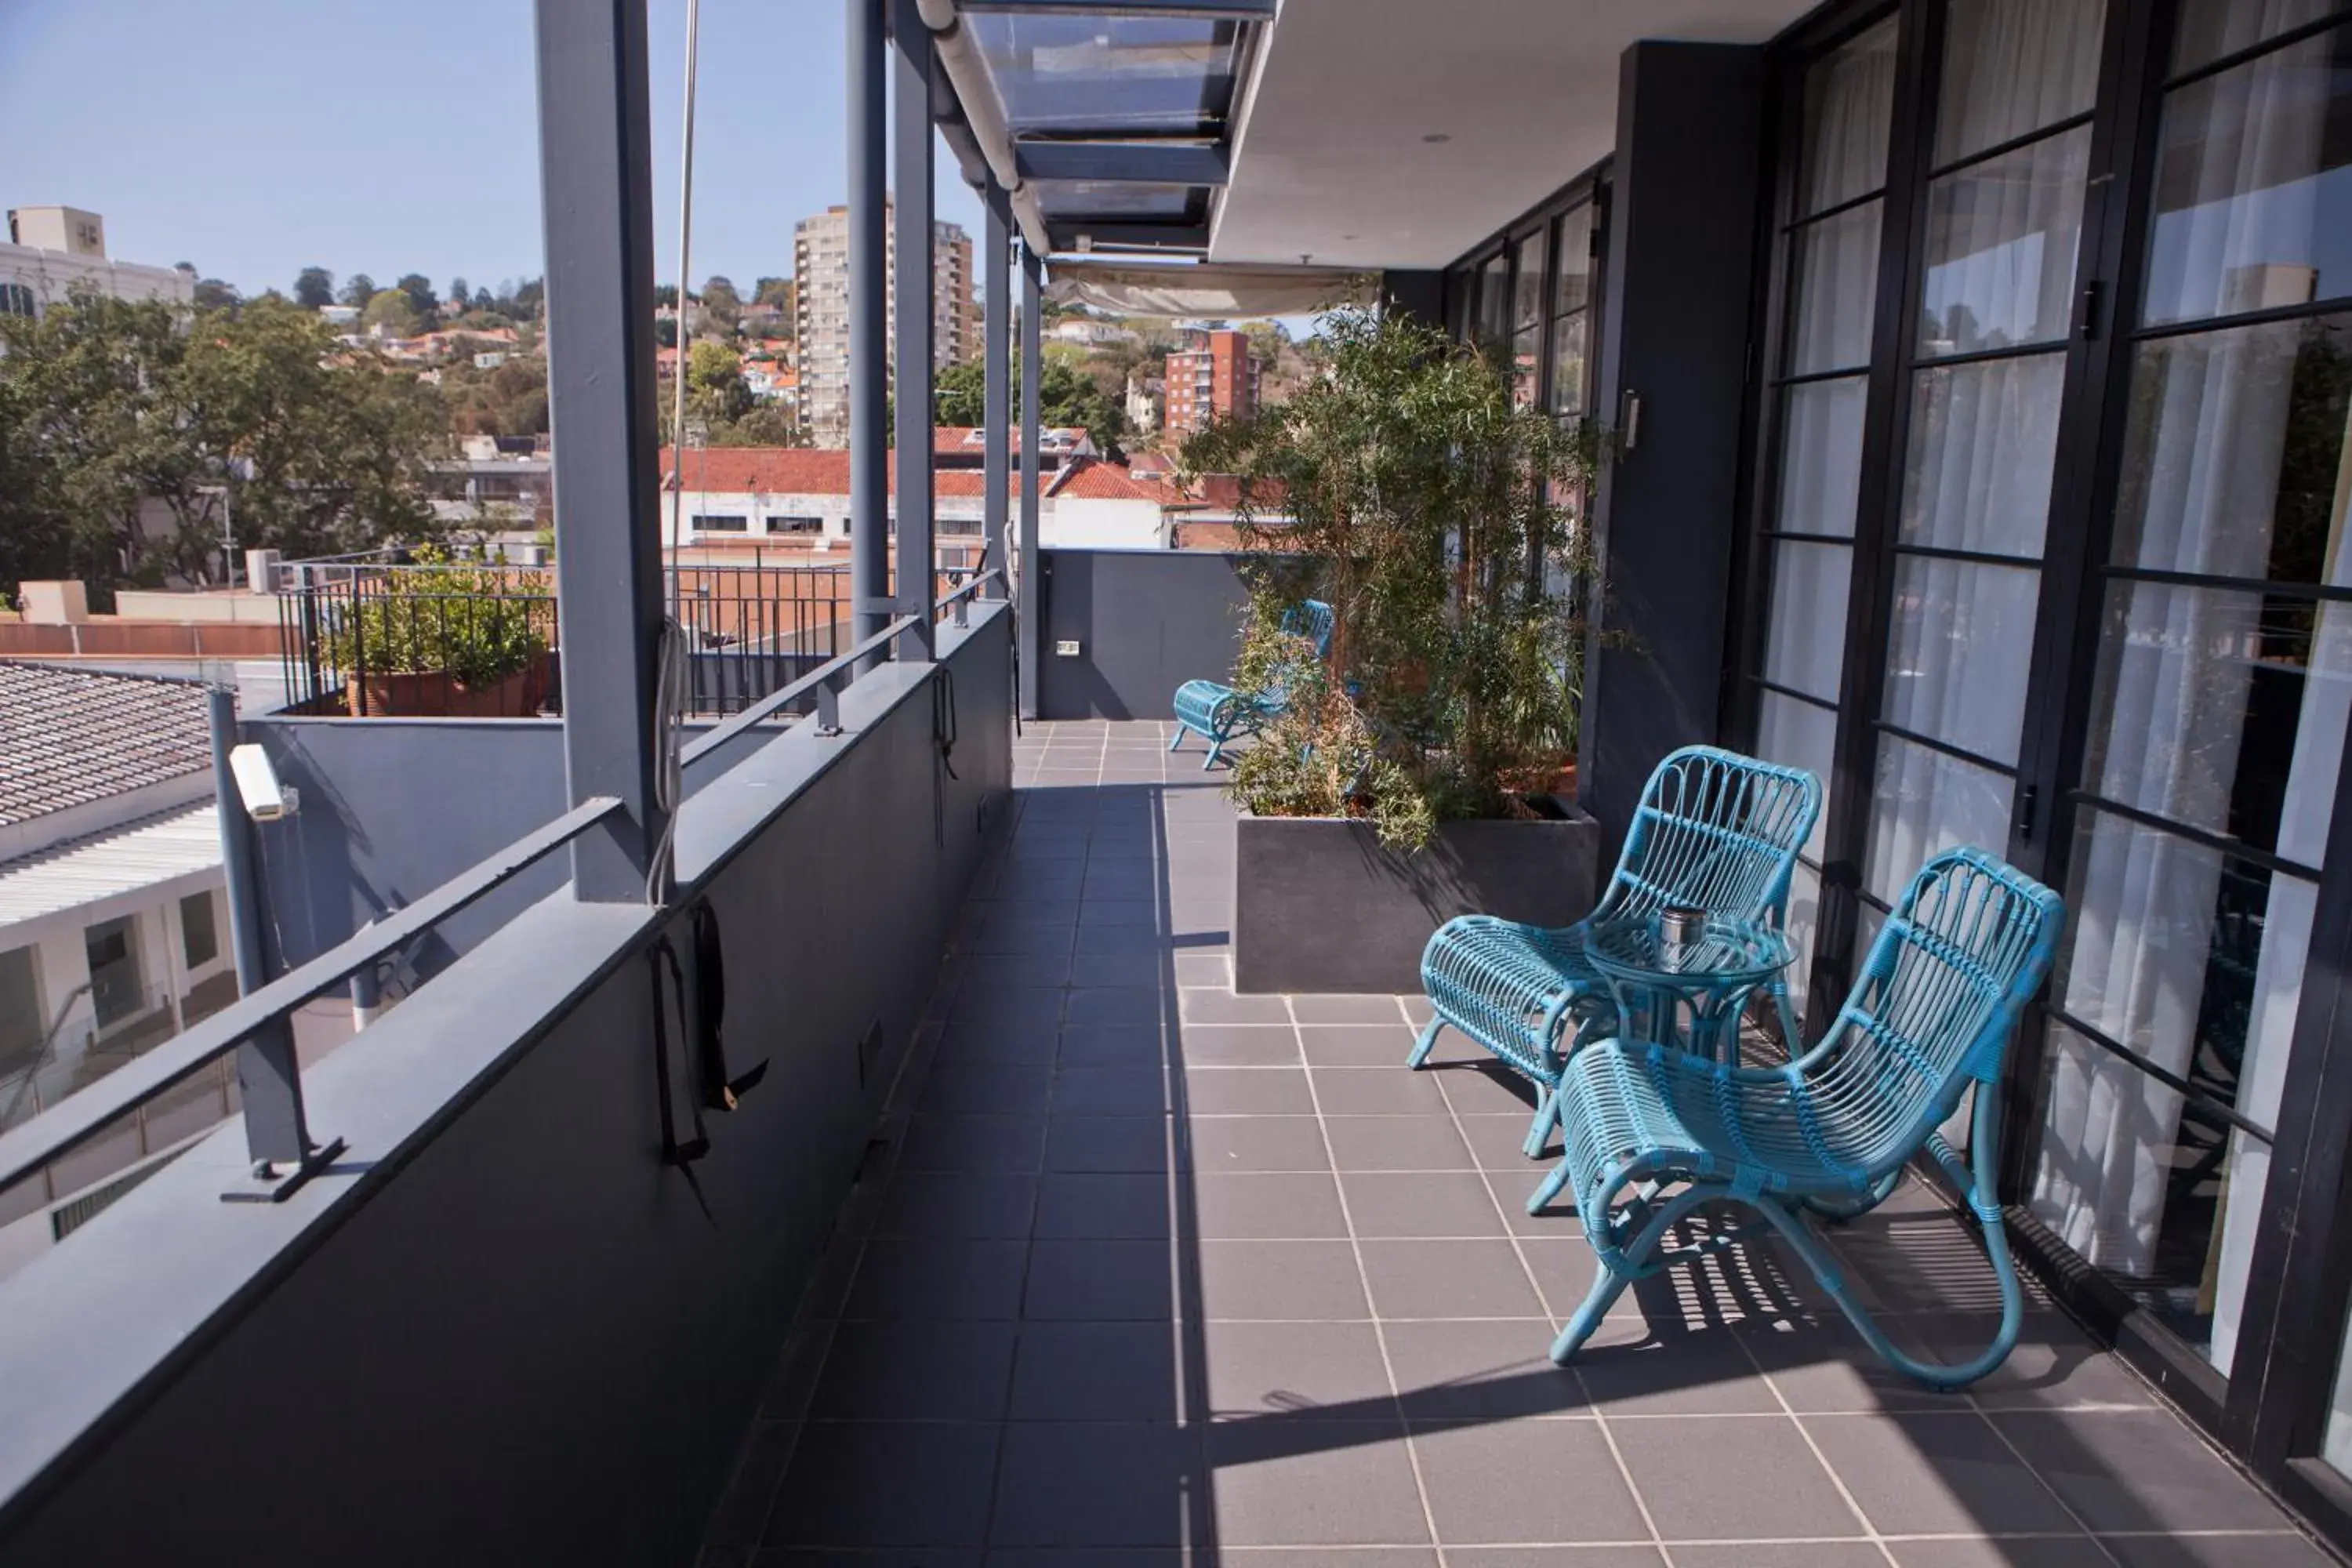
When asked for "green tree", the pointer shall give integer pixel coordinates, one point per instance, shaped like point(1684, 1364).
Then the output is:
point(776, 291)
point(314, 287)
point(1064, 396)
point(391, 310)
point(720, 298)
point(421, 297)
point(766, 424)
point(715, 389)
point(358, 290)
point(458, 296)
point(214, 294)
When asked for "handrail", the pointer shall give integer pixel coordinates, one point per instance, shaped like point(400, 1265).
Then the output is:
point(80, 1117)
point(827, 678)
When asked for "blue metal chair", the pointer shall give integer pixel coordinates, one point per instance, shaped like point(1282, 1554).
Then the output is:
point(1714, 830)
point(1217, 713)
point(1932, 1012)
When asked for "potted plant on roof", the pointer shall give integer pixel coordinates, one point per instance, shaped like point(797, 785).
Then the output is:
point(1415, 772)
point(444, 638)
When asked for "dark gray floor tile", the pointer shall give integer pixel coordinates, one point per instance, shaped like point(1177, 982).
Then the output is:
point(925, 1204)
point(1802, 1554)
point(964, 1042)
point(1315, 1281)
point(744, 1508)
point(1212, 1006)
point(1024, 1005)
point(987, 1089)
point(1334, 1557)
point(1107, 1206)
point(1095, 1371)
point(851, 1488)
point(1248, 1092)
point(940, 1142)
point(1820, 1366)
point(2055, 1365)
point(2137, 1469)
point(1732, 1478)
point(1111, 1091)
point(1132, 1005)
point(1331, 1370)
point(1095, 939)
point(1633, 1369)
point(1039, 969)
point(1382, 1044)
point(916, 1371)
point(1448, 1280)
point(793, 1379)
point(1237, 1143)
point(2280, 1550)
point(1110, 1045)
point(1378, 1091)
point(1611, 1554)
point(1134, 1144)
point(1146, 971)
point(1142, 910)
point(1016, 937)
point(1295, 1481)
point(1525, 1483)
point(2059, 1552)
point(1494, 1139)
point(1238, 1045)
point(1228, 1207)
point(1101, 1280)
point(1936, 1475)
point(1309, 1008)
point(898, 1557)
point(1088, 1557)
point(1484, 1369)
point(1397, 1143)
point(1484, 1089)
point(1093, 1484)
point(939, 1278)
point(1430, 1203)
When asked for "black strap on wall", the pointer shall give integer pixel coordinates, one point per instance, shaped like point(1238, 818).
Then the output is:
point(701, 1010)
point(719, 1092)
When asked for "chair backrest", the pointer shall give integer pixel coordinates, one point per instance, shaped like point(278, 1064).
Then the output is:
point(1934, 1004)
point(1717, 831)
point(1309, 618)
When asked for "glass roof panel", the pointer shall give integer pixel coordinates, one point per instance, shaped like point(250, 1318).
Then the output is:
point(1077, 200)
point(1096, 77)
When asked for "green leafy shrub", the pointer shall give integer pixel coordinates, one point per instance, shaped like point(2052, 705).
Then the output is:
point(479, 624)
point(1403, 487)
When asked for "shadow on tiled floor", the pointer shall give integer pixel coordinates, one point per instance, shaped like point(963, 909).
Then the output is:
point(1154, 1273)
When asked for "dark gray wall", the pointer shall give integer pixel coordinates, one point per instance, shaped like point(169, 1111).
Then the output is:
point(1675, 326)
point(1145, 621)
point(394, 807)
point(1418, 295)
point(506, 1332)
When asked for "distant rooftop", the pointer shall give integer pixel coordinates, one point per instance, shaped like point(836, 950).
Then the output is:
point(69, 737)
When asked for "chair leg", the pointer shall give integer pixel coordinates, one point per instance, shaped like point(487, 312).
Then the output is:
point(1543, 1195)
point(1607, 1286)
point(1540, 1130)
point(1178, 737)
point(1428, 1037)
point(1216, 751)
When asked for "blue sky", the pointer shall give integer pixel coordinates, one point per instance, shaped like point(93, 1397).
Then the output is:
point(256, 138)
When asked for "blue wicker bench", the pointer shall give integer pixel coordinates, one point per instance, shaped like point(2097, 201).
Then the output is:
point(1218, 713)
point(1715, 831)
point(1932, 1013)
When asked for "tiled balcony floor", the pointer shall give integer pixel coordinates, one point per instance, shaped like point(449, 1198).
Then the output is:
point(1152, 1273)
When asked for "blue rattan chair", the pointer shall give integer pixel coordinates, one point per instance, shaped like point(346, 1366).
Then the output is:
point(1932, 1013)
point(1217, 712)
point(1714, 830)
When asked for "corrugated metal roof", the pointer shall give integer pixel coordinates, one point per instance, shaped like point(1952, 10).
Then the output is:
point(71, 736)
point(139, 855)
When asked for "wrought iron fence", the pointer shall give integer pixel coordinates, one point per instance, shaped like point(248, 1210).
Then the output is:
point(473, 639)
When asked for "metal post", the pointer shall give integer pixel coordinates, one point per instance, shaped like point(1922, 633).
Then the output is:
point(996, 349)
point(275, 1129)
point(1033, 587)
point(911, 281)
point(596, 179)
point(869, 387)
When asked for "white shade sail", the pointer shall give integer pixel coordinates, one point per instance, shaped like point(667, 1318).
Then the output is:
point(1208, 290)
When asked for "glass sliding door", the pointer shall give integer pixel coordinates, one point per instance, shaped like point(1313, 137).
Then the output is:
point(1830, 240)
point(1995, 284)
point(2221, 683)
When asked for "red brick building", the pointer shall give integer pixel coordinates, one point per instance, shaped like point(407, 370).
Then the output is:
point(1215, 378)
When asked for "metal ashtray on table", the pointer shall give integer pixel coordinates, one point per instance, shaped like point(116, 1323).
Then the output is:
point(1682, 979)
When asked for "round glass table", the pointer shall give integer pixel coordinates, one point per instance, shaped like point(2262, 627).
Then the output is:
point(1688, 995)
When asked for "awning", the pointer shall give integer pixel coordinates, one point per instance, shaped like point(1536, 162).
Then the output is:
point(1224, 292)
point(132, 858)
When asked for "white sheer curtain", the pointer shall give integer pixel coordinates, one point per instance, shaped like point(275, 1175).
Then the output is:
point(2013, 65)
point(1849, 105)
point(2201, 479)
point(2172, 707)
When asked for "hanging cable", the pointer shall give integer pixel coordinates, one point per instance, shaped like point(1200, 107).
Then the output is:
point(670, 699)
point(670, 694)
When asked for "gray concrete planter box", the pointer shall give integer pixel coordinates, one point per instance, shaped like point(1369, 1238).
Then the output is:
point(1319, 906)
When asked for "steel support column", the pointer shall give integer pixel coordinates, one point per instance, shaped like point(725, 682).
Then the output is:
point(997, 323)
point(911, 285)
point(869, 382)
point(1033, 586)
point(596, 183)
point(268, 1080)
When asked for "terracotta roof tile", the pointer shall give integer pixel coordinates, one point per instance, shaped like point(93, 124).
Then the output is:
point(71, 736)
